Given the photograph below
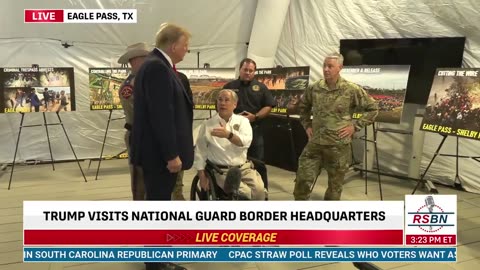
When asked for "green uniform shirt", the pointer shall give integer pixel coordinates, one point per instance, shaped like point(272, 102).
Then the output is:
point(332, 110)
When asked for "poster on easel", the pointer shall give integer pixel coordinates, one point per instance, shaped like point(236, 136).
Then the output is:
point(453, 106)
point(286, 84)
point(32, 89)
point(387, 84)
point(206, 83)
point(104, 84)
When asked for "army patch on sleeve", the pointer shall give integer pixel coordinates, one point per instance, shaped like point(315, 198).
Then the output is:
point(256, 88)
point(126, 92)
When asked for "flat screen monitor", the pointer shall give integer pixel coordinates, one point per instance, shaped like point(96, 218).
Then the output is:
point(424, 55)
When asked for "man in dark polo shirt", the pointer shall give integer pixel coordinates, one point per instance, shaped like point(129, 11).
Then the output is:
point(254, 102)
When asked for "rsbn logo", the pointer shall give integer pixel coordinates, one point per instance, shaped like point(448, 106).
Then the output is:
point(430, 217)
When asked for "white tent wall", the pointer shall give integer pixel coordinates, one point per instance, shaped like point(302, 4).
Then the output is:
point(220, 30)
point(313, 28)
point(266, 31)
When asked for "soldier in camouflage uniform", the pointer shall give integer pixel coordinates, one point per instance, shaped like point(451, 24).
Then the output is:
point(134, 56)
point(332, 102)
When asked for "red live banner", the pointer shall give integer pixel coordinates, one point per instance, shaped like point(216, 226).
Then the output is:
point(43, 15)
point(213, 237)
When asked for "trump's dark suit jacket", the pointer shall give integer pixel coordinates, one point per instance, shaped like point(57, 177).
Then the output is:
point(163, 116)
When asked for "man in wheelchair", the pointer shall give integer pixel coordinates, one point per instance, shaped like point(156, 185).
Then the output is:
point(223, 141)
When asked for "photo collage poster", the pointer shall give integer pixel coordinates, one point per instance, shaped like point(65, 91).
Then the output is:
point(387, 84)
point(206, 83)
point(286, 84)
point(453, 106)
point(104, 85)
point(32, 89)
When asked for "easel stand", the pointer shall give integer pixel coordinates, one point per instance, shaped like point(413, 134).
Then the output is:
point(375, 149)
point(415, 159)
point(104, 140)
point(458, 180)
point(48, 139)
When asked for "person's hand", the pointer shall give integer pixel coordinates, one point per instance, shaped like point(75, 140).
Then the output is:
point(346, 131)
point(174, 165)
point(250, 116)
point(204, 183)
point(309, 132)
point(221, 131)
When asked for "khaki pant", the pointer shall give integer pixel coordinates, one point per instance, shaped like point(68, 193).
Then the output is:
point(335, 159)
point(138, 185)
point(251, 185)
point(177, 194)
point(136, 176)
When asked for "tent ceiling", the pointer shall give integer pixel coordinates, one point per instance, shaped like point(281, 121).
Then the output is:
point(226, 23)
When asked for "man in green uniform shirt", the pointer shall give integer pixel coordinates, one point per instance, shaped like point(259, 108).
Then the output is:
point(332, 102)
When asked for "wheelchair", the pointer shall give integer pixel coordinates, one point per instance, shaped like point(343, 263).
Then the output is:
point(215, 192)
